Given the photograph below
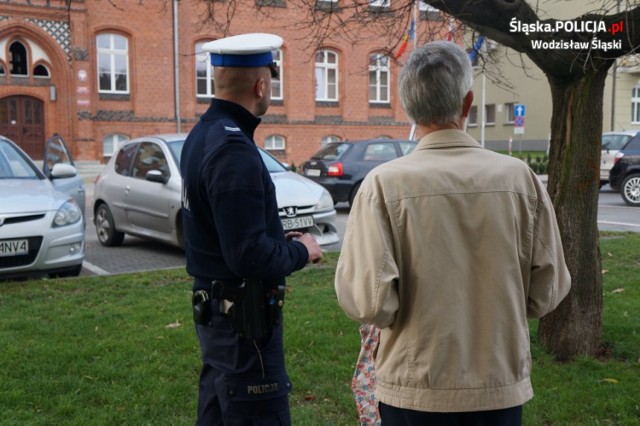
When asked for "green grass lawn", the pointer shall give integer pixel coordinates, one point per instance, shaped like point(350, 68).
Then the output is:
point(121, 350)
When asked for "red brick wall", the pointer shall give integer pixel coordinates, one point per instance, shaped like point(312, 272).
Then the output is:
point(86, 117)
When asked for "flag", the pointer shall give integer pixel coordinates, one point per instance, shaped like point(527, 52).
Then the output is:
point(473, 55)
point(405, 40)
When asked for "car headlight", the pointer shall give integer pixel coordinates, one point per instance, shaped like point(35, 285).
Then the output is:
point(67, 214)
point(326, 202)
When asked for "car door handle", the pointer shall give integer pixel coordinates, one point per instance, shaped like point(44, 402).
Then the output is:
point(127, 189)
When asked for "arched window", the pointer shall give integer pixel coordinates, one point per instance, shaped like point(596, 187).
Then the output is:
point(18, 59)
point(204, 73)
point(41, 71)
point(326, 76)
point(2, 71)
point(113, 63)
point(329, 139)
point(110, 143)
point(274, 143)
point(379, 78)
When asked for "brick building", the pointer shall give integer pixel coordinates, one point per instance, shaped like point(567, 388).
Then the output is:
point(101, 71)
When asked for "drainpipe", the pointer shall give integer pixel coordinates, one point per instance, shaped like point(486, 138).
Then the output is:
point(176, 67)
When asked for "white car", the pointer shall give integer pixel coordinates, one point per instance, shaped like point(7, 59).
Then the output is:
point(612, 142)
point(138, 193)
point(41, 229)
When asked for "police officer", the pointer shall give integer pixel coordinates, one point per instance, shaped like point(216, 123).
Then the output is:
point(233, 237)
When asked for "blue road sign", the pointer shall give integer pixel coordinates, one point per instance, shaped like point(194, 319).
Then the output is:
point(519, 121)
point(518, 110)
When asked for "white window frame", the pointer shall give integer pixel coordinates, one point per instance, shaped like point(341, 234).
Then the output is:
point(112, 54)
point(330, 139)
point(379, 69)
point(475, 122)
point(277, 84)
point(486, 115)
point(41, 76)
point(380, 3)
point(114, 140)
point(203, 57)
point(510, 115)
point(635, 105)
point(275, 143)
point(322, 71)
point(423, 7)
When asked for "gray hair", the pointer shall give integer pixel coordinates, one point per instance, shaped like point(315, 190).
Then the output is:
point(434, 82)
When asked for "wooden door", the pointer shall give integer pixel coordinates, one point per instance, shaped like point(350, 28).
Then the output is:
point(22, 121)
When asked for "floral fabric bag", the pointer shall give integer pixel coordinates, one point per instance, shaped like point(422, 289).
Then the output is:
point(364, 377)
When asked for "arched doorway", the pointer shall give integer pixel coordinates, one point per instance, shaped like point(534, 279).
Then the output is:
point(22, 121)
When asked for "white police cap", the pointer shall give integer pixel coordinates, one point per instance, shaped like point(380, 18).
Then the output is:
point(244, 51)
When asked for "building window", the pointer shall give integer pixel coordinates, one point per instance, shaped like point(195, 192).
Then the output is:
point(330, 139)
point(472, 119)
point(110, 143)
point(490, 115)
point(378, 78)
point(276, 84)
point(2, 71)
point(40, 71)
point(379, 3)
point(18, 59)
point(274, 143)
point(635, 105)
point(113, 64)
point(204, 73)
point(326, 76)
point(511, 116)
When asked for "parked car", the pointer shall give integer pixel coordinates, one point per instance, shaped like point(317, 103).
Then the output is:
point(625, 173)
point(341, 166)
point(612, 142)
point(139, 190)
point(41, 229)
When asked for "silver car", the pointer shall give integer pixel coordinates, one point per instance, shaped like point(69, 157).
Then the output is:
point(612, 142)
point(138, 193)
point(41, 229)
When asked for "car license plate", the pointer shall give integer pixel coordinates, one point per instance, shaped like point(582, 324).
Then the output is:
point(312, 172)
point(14, 247)
point(297, 222)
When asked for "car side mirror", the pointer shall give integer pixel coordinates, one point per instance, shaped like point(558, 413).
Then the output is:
point(61, 171)
point(156, 176)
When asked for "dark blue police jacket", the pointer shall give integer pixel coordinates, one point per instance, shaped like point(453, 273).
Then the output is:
point(229, 211)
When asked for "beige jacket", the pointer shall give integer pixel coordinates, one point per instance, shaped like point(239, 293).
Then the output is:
point(448, 250)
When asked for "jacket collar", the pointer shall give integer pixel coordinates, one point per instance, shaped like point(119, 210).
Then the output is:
point(449, 138)
point(221, 108)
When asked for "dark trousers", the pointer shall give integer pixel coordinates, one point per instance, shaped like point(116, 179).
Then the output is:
point(392, 416)
point(242, 382)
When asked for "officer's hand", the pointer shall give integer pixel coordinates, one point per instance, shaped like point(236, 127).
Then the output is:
point(292, 234)
point(315, 253)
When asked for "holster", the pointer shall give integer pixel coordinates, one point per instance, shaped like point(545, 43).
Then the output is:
point(254, 309)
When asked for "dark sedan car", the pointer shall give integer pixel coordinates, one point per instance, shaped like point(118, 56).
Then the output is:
point(625, 173)
point(341, 166)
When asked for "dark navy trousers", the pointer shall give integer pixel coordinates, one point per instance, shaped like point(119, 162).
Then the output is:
point(393, 416)
point(243, 382)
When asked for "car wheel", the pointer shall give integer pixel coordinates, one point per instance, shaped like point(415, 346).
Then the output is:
point(354, 191)
point(630, 190)
point(106, 228)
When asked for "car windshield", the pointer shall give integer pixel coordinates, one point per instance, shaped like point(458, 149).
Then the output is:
point(13, 165)
point(272, 164)
point(332, 151)
point(615, 142)
point(176, 149)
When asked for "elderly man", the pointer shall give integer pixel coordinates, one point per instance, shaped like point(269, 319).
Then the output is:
point(449, 250)
point(235, 245)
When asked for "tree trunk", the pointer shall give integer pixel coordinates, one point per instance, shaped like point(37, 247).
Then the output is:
point(574, 175)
